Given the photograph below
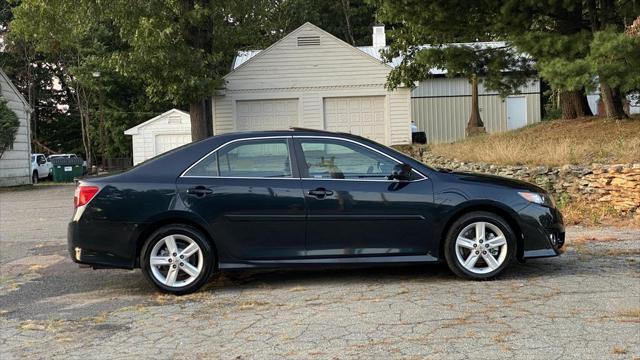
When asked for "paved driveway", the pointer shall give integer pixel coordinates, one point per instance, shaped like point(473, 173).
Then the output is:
point(585, 304)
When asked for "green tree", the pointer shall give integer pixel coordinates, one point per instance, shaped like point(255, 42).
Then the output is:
point(181, 49)
point(9, 124)
point(349, 20)
point(569, 42)
point(416, 23)
point(64, 33)
point(553, 33)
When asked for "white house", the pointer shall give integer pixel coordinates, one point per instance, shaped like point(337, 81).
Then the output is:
point(162, 133)
point(15, 163)
point(312, 79)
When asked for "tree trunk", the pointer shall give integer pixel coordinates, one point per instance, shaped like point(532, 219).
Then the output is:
point(103, 134)
point(198, 115)
point(574, 104)
point(475, 122)
point(613, 105)
point(83, 109)
point(346, 9)
point(568, 102)
point(475, 126)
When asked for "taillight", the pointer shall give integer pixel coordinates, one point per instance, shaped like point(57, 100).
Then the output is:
point(84, 194)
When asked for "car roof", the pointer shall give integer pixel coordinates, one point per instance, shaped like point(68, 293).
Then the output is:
point(293, 131)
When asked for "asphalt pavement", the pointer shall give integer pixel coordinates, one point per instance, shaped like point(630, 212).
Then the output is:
point(584, 304)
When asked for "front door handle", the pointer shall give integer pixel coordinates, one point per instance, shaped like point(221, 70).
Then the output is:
point(199, 191)
point(320, 193)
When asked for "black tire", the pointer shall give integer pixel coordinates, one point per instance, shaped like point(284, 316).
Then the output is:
point(34, 177)
point(460, 224)
point(179, 229)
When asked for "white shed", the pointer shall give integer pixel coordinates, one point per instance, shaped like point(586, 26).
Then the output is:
point(164, 132)
point(312, 79)
point(15, 164)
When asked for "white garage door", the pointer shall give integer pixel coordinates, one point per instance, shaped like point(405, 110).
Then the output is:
point(166, 142)
point(256, 115)
point(362, 116)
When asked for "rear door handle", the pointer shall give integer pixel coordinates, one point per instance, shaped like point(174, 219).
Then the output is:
point(320, 192)
point(199, 191)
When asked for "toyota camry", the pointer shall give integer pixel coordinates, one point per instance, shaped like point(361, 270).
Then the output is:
point(303, 198)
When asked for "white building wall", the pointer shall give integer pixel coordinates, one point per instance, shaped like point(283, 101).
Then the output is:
point(441, 107)
point(15, 164)
point(310, 74)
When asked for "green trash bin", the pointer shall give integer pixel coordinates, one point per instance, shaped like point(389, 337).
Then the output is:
point(66, 169)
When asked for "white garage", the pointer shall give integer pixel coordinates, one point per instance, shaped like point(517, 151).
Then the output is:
point(255, 115)
point(363, 115)
point(314, 80)
point(160, 134)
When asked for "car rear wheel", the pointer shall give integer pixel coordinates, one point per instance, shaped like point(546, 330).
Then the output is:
point(177, 259)
point(479, 245)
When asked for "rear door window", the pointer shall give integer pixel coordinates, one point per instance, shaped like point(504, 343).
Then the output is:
point(260, 158)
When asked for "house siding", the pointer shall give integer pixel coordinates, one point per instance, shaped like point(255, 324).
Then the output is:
point(287, 65)
point(310, 74)
point(15, 164)
point(441, 107)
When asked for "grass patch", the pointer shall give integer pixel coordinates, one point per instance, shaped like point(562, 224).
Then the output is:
point(592, 239)
point(553, 143)
point(619, 350)
point(589, 213)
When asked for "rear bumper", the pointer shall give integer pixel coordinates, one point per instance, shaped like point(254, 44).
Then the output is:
point(543, 232)
point(102, 244)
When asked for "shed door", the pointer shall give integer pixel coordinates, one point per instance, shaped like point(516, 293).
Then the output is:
point(363, 115)
point(254, 115)
point(166, 142)
point(516, 112)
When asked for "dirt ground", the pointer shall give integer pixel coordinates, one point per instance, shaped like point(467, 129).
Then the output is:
point(584, 304)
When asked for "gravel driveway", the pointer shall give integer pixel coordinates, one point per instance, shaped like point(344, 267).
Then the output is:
point(584, 304)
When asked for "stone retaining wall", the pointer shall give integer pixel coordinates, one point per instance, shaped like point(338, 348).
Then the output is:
point(617, 185)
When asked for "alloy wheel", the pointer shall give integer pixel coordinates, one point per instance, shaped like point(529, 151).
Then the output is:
point(481, 247)
point(176, 260)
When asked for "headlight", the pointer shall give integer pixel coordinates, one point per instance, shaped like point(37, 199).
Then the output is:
point(538, 198)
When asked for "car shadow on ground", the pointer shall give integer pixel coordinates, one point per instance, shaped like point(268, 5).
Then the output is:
point(67, 292)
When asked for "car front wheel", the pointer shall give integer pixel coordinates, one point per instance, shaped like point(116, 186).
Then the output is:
point(479, 245)
point(177, 259)
point(34, 178)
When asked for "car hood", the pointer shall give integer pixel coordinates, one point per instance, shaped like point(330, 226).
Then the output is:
point(493, 180)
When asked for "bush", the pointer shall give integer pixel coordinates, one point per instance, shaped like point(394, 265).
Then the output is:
point(9, 124)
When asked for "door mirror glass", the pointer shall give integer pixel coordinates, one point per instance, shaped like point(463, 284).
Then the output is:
point(401, 172)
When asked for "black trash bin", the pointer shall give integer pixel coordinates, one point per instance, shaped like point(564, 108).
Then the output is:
point(419, 137)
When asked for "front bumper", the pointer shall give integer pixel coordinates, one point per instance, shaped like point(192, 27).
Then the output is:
point(543, 231)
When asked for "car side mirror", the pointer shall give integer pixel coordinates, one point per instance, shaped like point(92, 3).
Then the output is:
point(401, 172)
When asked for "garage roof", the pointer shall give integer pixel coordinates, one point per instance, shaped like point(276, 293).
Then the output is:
point(134, 130)
point(243, 56)
point(27, 107)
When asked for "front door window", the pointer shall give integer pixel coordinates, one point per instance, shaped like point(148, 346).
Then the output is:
point(335, 159)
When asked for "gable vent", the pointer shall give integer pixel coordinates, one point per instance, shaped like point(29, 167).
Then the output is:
point(308, 40)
